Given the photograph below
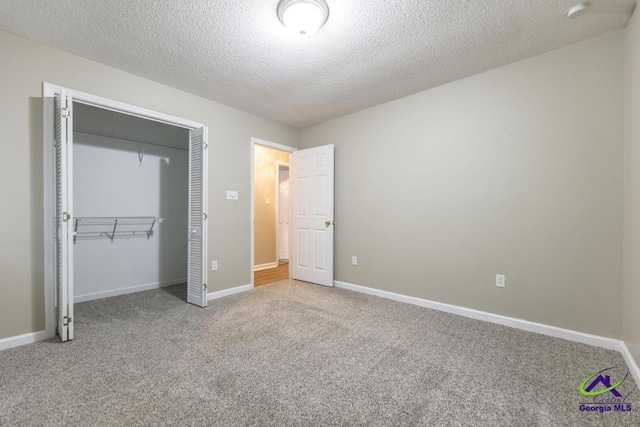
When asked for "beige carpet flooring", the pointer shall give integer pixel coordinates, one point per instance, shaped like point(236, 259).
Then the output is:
point(294, 354)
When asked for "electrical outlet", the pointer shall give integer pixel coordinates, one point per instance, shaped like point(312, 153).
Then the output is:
point(354, 260)
point(232, 195)
point(214, 265)
point(501, 280)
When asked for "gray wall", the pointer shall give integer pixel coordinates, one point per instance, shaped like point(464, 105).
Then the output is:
point(631, 282)
point(515, 171)
point(25, 65)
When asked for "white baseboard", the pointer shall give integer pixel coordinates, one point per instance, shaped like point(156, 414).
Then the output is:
point(525, 325)
point(227, 292)
point(128, 290)
point(631, 363)
point(32, 337)
point(266, 266)
point(23, 339)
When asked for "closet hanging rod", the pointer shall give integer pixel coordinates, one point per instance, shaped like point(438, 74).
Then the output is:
point(90, 131)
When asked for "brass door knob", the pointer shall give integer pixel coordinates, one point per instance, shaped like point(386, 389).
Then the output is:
point(327, 223)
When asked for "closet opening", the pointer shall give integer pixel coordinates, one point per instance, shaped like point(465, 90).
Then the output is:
point(125, 206)
point(130, 191)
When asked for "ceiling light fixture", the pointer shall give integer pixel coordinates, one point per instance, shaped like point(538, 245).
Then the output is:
point(304, 17)
point(578, 9)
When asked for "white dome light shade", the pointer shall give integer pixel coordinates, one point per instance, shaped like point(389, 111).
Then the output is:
point(304, 17)
point(578, 10)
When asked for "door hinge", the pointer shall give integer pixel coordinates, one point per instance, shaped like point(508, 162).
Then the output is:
point(204, 216)
point(205, 146)
point(66, 112)
point(66, 320)
point(204, 285)
point(65, 217)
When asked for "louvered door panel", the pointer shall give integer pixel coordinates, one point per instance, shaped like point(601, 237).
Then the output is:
point(196, 277)
point(64, 247)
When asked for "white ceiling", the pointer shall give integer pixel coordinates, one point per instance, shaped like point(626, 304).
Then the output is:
point(370, 51)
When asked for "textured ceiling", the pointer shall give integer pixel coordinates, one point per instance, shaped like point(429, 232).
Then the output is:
point(236, 52)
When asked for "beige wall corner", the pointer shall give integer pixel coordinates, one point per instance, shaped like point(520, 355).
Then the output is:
point(516, 171)
point(631, 274)
point(265, 178)
point(25, 66)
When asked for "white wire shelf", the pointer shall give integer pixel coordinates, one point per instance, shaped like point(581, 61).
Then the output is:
point(113, 227)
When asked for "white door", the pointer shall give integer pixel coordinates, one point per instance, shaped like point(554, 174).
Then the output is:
point(197, 256)
point(283, 212)
point(312, 193)
point(64, 219)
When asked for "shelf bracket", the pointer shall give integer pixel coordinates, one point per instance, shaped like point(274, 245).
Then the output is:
point(115, 226)
point(150, 232)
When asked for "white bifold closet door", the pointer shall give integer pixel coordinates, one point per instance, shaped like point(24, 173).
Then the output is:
point(197, 257)
point(64, 208)
point(197, 249)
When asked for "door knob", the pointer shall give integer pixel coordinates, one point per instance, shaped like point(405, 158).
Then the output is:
point(327, 223)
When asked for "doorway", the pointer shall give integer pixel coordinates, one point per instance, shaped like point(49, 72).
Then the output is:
point(309, 179)
point(271, 214)
point(63, 228)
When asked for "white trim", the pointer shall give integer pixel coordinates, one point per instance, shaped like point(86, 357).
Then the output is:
point(266, 266)
point(525, 325)
point(252, 216)
point(32, 337)
point(227, 292)
point(281, 164)
point(48, 93)
point(273, 145)
point(120, 107)
point(49, 190)
point(631, 363)
point(128, 290)
point(23, 339)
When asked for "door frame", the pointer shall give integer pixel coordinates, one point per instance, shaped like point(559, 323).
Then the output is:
point(276, 146)
point(279, 164)
point(49, 91)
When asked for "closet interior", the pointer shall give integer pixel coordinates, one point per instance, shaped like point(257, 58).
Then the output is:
point(131, 204)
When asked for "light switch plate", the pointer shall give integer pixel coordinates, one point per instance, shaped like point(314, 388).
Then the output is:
point(232, 195)
point(501, 280)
